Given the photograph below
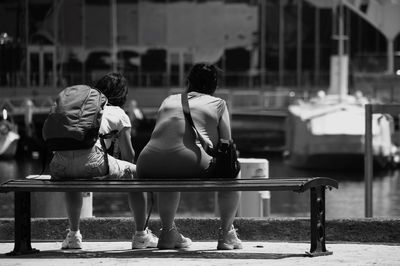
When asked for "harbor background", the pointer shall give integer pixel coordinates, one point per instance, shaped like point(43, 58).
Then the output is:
point(272, 53)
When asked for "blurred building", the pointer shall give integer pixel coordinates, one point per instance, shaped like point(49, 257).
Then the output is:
point(257, 43)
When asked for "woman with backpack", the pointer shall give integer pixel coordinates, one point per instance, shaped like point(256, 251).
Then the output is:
point(92, 163)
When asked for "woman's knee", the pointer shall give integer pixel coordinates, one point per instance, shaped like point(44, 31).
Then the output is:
point(119, 169)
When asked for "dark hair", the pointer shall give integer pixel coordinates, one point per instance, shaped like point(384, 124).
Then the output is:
point(203, 78)
point(115, 87)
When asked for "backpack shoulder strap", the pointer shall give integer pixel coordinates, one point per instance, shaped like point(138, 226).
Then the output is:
point(102, 137)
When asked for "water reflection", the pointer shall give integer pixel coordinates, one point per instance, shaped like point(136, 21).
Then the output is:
point(7, 169)
point(346, 202)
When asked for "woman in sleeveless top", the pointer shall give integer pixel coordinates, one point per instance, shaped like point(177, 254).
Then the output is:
point(173, 153)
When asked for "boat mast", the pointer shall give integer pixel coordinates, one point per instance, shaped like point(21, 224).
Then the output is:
point(56, 6)
point(342, 90)
point(114, 33)
point(339, 61)
point(262, 40)
point(28, 66)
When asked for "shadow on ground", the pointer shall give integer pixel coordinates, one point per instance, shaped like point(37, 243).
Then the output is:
point(153, 253)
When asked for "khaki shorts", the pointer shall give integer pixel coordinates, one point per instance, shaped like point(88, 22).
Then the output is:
point(89, 164)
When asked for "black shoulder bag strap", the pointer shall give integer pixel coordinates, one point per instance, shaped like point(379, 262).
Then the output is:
point(186, 112)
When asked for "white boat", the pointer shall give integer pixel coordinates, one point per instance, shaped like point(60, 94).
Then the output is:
point(328, 133)
point(8, 136)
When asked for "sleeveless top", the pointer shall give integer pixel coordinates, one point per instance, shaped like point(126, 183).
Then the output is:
point(173, 151)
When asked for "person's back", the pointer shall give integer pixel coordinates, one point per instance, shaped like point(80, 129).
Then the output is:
point(114, 121)
point(173, 136)
point(206, 111)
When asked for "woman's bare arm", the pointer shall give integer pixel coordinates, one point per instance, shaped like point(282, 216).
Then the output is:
point(224, 126)
point(127, 151)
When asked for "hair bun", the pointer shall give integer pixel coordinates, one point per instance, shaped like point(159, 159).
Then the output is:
point(203, 78)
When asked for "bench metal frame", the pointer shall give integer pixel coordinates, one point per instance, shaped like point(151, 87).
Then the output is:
point(22, 189)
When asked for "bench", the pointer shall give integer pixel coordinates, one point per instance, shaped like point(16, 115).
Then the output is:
point(23, 187)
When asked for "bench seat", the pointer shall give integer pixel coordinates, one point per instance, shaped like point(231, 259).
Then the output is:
point(23, 187)
point(43, 184)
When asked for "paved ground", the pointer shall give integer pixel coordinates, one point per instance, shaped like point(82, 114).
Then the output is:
point(205, 253)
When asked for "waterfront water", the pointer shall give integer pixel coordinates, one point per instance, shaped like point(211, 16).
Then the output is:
point(346, 202)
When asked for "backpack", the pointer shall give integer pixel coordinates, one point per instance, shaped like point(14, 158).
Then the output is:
point(74, 119)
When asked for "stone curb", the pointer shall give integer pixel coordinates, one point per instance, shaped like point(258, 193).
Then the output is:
point(373, 230)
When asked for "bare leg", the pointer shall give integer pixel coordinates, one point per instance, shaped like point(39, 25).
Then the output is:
point(142, 238)
point(138, 205)
point(74, 207)
point(228, 202)
point(168, 203)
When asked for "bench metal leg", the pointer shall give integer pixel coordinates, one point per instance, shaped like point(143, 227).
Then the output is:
point(22, 224)
point(317, 199)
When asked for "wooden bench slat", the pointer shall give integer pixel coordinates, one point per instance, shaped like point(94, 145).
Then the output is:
point(254, 184)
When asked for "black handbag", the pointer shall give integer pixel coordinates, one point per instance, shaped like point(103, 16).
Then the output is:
point(225, 162)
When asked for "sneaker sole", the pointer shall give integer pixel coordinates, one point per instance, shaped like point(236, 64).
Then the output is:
point(228, 247)
point(175, 246)
point(143, 246)
point(70, 248)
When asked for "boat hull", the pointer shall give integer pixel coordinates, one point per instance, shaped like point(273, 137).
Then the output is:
point(326, 135)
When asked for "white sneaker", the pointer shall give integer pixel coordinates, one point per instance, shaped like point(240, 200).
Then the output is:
point(146, 240)
point(72, 241)
point(229, 240)
point(172, 239)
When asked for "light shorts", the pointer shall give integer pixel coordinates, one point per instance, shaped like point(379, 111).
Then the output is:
point(89, 164)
